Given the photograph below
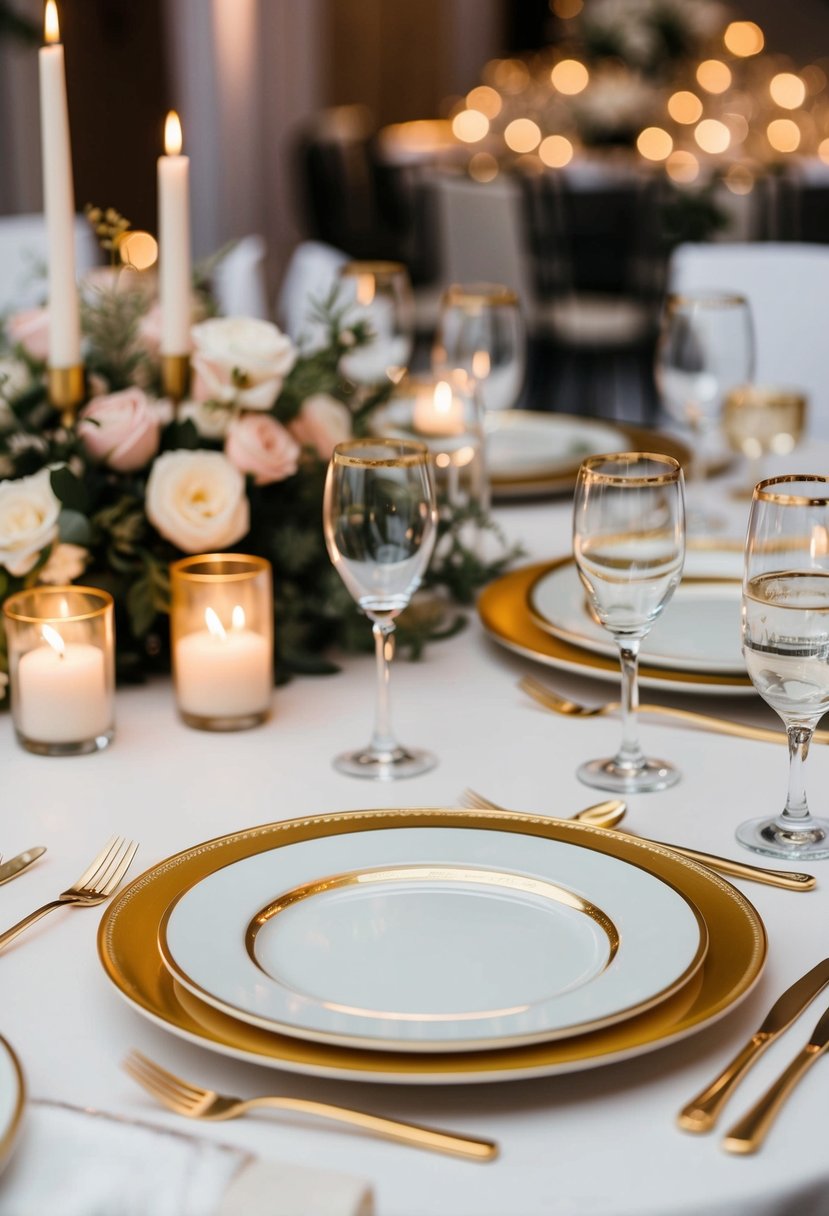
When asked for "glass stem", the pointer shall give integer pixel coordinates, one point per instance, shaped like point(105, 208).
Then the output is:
point(797, 807)
point(630, 754)
point(383, 741)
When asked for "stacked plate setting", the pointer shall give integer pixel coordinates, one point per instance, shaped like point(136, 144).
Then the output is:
point(431, 946)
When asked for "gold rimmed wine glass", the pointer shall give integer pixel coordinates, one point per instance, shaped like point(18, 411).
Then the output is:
point(785, 625)
point(762, 420)
point(378, 294)
point(380, 521)
point(629, 546)
point(481, 332)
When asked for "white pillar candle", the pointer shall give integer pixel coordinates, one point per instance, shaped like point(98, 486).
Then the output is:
point(62, 692)
point(223, 673)
point(439, 413)
point(58, 199)
point(174, 242)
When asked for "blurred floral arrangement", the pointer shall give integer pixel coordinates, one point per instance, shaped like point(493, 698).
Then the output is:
point(695, 93)
point(137, 483)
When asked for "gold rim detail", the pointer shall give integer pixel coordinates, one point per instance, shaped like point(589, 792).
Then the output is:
point(409, 454)
point(764, 493)
point(8, 1137)
point(591, 467)
point(106, 603)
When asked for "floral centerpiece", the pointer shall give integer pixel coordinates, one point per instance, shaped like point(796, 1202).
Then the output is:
point(136, 483)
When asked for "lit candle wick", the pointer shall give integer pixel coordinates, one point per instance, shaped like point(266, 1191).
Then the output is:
point(51, 25)
point(52, 638)
point(173, 140)
point(214, 626)
point(237, 618)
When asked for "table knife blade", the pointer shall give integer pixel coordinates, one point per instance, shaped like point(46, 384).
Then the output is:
point(701, 1113)
point(18, 864)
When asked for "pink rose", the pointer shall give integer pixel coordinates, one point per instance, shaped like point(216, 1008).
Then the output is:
point(30, 329)
point(321, 424)
point(259, 445)
point(121, 430)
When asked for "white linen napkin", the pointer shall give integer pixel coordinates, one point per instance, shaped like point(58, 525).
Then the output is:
point(87, 1163)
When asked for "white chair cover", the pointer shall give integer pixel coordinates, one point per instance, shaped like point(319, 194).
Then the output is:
point(239, 280)
point(313, 270)
point(23, 257)
point(787, 286)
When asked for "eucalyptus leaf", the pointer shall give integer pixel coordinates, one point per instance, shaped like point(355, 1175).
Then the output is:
point(70, 490)
point(74, 528)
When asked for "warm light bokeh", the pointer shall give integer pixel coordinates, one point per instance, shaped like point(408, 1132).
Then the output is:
point(51, 25)
point(712, 135)
point(570, 77)
point(684, 107)
point(470, 126)
point(744, 38)
point(522, 135)
point(682, 166)
point(483, 167)
point(654, 144)
point(783, 134)
point(823, 151)
point(714, 76)
point(556, 151)
point(739, 179)
point(787, 90)
point(138, 250)
point(485, 99)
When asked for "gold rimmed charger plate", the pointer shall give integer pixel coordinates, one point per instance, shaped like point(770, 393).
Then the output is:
point(562, 478)
point(504, 609)
point(11, 1125)
point(128, 949)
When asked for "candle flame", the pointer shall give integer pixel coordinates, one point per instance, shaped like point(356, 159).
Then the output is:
point(52, 638)
point(443, 398)
point(480, 364)
point(366, 289)
point(172, 134)
point(237, 618)
point(214, 625)
point(51, 25)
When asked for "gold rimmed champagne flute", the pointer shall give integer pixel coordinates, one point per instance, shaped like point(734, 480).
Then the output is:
point(481, 332)
point(380, 520)
point(785, 623)
point(629, 546)
point(378, 294)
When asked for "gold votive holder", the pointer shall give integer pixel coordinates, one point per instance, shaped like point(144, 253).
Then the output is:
point(175, 377)
point(61, 646)
point(221, 621)
point(67, 391)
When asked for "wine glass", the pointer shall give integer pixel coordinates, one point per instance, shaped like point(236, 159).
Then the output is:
point(481, 332)
point(379, 294)
point(380, 521)
point(762, 421)
point(785, 622)
point(705, 351)
point(629, 546)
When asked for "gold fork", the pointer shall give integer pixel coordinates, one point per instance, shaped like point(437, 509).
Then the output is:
point(196, 1103)
point(95, 885)
point(602, 814)
point(573, 709)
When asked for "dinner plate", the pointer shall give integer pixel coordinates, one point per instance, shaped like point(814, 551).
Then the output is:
point(698, 630)
point(505, 613)
point(432, 939)
point(12, 1098)
point(129, 952)
point(531, 453)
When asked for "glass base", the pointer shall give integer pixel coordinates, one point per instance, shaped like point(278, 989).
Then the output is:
point(84, 747)
point(385, 766)
point(620, 779)
point(245, 722)
point(769, 837)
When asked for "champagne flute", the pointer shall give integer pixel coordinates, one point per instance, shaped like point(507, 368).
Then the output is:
point(380, 521)
point(705, 351)
point(380, 295)
point(629, 546)
point(785, 623)
point(481, 332)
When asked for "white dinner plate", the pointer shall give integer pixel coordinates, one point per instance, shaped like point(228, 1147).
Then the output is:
point(523, 445)
point(699, 629)
point(432, 939)
point(12, 1097)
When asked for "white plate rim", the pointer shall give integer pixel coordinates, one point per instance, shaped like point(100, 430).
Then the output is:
point(9, 1132)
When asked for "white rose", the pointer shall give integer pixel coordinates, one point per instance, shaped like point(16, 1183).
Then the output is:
point(211, 421)
point(64, 564)
point(29, 512)
point(15, 377)
point(197, 500)
point(240, 361)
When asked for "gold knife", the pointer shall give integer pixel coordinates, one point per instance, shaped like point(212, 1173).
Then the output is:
point(748, 1133)
point(20, 863)
point(702, 1112)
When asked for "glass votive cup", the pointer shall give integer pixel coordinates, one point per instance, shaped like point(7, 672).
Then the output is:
point(378, 295)
point(221, 625)
point(61, 647)
point(445, 414)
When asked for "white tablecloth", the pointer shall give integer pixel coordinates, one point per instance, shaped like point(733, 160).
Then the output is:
point(597, 1142)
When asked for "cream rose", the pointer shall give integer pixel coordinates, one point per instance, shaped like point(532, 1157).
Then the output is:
point(197, 500)
point(64, 564)
point(259, 445)
point(322, 423)
point(240, 361)
point(120, 430)
point(30, 329)
point(211, 421)
point(15, 378)
point(29, 512)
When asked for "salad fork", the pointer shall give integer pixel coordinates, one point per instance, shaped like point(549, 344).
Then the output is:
point(95, 885)
point(194, 1102)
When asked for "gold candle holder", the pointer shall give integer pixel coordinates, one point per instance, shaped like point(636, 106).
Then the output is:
point(221, 621)
point(67, 390)
point(62, 669)
point(175, 377)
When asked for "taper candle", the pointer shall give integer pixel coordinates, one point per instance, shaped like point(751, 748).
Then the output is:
point(174, 241)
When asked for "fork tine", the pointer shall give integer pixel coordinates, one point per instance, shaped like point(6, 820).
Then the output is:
point(176, 1084)
point(151, 1086)
point(478, 802)
point(98, 861)
point(112, 882)
point(107, 866)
